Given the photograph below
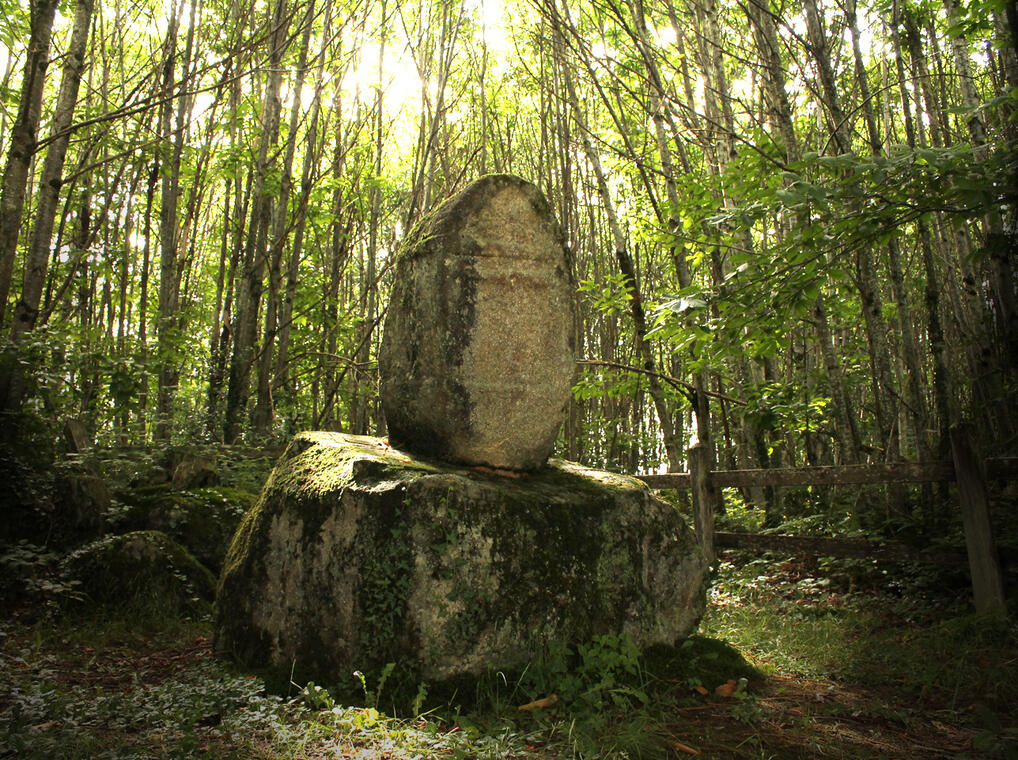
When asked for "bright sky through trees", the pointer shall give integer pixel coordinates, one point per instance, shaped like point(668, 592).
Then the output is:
point(803, 242)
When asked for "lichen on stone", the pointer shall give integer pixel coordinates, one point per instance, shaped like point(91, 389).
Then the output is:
point(358, 554)
point(478, 351)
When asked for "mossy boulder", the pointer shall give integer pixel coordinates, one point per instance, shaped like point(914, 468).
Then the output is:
point(194, 472)
point(357, 555)
point(203, 520)
point(142, 570)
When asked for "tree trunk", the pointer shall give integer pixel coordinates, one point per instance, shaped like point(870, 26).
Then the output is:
point(866, 273)
point(167, 332)
point(1000, 243)
point(233, 245)
point(915, 406)
point(11, 373)
point(23, 142)
point(820, 51)
point(362, 396)
point(672, 446)
point(768, 47)
point(312, 156)
point(662, 119)
point(913, 37)
point(249, 291)
point(261, 420)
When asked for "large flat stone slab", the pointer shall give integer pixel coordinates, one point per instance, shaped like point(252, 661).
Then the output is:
point(357, 555)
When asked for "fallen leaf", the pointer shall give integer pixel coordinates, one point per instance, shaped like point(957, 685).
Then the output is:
point(702, 690)
point(685, 748)
point(727, 689)
point(539, 703)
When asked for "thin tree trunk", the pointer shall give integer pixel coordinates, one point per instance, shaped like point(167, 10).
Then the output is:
point(341, 229)
point(249, 291)
point(866, 273)
point(217, 337)
point(362, 397)
point(913, 37)
point(27, 309)
point(765, 32)
point(22, 142)
point(774, 82)
point(312, 157)
point(167, 334)
point(673, 447)
point(264, 412)
point(662, 120)
point(233, 241)
point(1000, 244)
point(820, 51)
point(916, 405)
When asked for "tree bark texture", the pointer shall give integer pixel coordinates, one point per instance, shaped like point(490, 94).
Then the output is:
point(24, 132)
point(27, 309)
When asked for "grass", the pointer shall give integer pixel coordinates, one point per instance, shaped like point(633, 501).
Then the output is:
point(820, 659)
point(822, 629)
point(805, 631)
point(902, 652)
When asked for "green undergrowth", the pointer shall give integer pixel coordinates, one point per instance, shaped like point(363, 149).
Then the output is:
point(106, 689)
point(604, 698)
point(871, 648)
point(600, 699)
point(876, 627)
point(149, 687)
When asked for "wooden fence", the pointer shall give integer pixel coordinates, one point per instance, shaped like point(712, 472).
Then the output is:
point(965, 468)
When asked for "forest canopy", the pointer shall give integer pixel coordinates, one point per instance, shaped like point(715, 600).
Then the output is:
point(793, 223)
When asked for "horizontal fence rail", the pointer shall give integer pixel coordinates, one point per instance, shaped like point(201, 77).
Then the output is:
point(964, 468)
point(1000, 468)
point(821, 546)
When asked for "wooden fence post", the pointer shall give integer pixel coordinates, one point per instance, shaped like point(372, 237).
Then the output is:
point(705, 497)
point(987, 584)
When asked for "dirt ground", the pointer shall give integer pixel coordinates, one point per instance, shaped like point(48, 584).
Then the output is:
point(780, 717)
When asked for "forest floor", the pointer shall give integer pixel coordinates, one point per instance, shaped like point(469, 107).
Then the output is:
point(842, 668)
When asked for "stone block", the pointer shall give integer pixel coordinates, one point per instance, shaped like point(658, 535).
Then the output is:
point(358, 554)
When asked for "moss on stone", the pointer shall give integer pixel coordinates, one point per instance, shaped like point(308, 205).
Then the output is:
point(203, 520)
point(141, 570)
point(357, 555)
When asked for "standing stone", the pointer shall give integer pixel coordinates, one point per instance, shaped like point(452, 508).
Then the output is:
point(478, 356)
point(360, 553)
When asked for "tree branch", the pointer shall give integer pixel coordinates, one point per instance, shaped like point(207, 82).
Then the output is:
point(686, 389)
